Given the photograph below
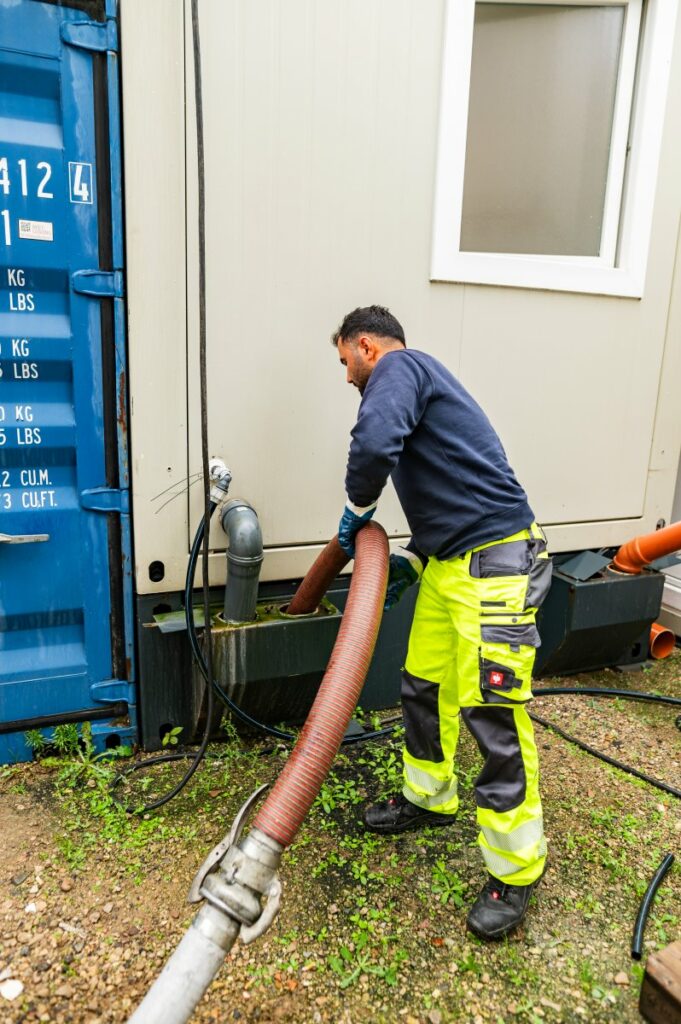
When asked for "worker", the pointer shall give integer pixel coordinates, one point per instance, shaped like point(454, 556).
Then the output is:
point(484, 570)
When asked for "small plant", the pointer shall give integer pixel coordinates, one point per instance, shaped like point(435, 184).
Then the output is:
point(172, 737)
point(367, 953)
point(78, 761)
point(36, 741)
point(586, 975)
point(67, 742)
point(64, 741)
point(337, 792)
point(470, 964)
point(447, 885)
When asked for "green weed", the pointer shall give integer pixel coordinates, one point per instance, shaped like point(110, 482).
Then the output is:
point(447, 885)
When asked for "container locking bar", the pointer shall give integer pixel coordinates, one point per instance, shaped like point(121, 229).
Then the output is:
point(24, 538)
point(98, 284)
point(105, 499)
point(111, 691)
point(99, 36)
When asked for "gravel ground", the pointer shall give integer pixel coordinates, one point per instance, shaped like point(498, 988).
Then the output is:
point(92, 900)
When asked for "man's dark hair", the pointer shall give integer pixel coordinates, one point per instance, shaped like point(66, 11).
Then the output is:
point(376, 320)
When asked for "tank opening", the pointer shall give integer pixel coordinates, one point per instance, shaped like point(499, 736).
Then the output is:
point(112, 741)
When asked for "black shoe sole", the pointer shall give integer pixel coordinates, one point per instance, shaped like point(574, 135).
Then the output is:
point(432, 821)
point(496, 936)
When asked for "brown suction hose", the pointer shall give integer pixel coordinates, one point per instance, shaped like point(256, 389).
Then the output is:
point(318, 580)
point(308, 765)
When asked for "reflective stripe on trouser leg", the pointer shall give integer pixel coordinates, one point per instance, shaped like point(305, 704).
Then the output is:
point(431, 715)
point(509, 807)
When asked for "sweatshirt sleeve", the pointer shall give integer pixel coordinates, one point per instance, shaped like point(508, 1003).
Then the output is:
point(393, 403)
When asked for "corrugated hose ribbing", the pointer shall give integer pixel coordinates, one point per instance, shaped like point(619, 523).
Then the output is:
point(300, 781)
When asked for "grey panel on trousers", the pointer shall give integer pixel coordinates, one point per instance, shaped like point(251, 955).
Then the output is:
point(421, 718)
point(514, 636)
point(502, 783)
point(511, 559)
point(539, 584)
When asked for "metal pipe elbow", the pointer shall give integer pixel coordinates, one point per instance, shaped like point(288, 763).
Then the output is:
point(240, 523)
point(244, 559)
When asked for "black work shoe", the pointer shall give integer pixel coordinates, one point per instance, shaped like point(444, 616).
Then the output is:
point(399, 814)
point(499, 908)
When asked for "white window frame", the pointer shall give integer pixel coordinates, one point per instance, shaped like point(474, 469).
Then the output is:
point(637, 122)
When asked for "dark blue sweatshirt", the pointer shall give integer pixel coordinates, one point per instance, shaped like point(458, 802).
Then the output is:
point(418, 424)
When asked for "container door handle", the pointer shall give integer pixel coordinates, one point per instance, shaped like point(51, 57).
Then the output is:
point(23, 538)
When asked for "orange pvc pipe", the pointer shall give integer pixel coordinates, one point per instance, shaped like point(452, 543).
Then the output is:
point(640, 551)
point(662, 641)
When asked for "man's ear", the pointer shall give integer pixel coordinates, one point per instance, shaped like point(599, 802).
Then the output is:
point(369, 347)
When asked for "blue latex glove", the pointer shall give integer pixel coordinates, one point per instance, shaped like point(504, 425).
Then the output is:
point(352, 520)
point(405, 569)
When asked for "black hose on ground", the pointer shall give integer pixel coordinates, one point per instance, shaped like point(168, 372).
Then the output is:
point(594, 691)
point(605, 757)
point(646, 903)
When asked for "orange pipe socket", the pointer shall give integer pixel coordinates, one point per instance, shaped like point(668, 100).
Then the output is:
point(643, 550)
point(662, 641)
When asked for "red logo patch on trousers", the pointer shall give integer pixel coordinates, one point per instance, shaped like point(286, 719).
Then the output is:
point(496, 678)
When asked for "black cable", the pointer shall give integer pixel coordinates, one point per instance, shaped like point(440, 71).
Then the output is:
point(593, 691)
point(167, 758)
point(208, 505)
point(646, 903)
point(605, 757)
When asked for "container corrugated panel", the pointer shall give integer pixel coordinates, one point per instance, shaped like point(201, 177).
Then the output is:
point(65, 584)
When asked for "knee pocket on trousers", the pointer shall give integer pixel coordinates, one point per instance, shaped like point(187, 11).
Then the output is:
point(420, 709)
point(502, 783)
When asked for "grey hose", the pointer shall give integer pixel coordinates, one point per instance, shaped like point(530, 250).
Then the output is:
point(190, 970)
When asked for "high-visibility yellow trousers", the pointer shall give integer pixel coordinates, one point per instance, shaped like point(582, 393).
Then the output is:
point(471, 651)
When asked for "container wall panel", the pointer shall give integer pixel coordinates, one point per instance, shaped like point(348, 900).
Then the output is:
point(321, 147)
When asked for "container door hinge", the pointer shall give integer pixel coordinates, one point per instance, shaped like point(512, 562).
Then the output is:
point(105, 499)
point(100, 284)
point(99, 36)
point(112, 691)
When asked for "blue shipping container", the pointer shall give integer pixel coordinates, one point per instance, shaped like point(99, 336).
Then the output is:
point(66, 648)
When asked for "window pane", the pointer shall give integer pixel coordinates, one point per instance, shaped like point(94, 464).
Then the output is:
point(542, 95)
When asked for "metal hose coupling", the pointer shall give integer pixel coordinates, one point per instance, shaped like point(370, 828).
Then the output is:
point(220, 479)
point(238, 873)
point(233, 879)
